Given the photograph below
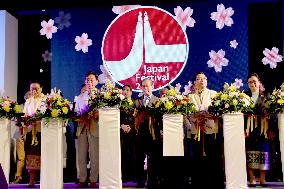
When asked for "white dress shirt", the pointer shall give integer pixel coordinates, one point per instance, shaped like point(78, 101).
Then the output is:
point(202, 101)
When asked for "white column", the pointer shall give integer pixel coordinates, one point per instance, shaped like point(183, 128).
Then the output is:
point(234, 151)
point(173, 135)
point(51, 170)
point(8, 54)
point(109, 145)
point(281, 137)
point(5, 138)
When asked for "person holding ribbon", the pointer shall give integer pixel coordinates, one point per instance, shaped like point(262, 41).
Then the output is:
point(148, 135)
point(88, 134)
point(257, 131)
point(32, 142)
point(206, 142)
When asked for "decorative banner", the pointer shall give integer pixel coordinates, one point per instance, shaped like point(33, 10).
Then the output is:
point(145, 42)
point(5, 137)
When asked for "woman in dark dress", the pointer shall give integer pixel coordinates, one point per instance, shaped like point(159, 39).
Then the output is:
point(257, 145)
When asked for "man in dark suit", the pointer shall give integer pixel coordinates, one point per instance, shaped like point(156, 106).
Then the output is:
point(148, 135)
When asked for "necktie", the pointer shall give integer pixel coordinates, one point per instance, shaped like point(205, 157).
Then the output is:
point(147, 100)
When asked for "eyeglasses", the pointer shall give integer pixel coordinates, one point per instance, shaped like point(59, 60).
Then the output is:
point(250, 82)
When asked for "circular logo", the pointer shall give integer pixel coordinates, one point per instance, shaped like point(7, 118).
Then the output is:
point(146, 42)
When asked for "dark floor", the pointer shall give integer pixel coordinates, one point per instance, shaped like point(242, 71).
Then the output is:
point(131, 185)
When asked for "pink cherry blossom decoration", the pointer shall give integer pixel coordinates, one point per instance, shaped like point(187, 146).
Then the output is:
point(217, 60)
point(222, 16)
point(48, 28)
point(184, 16)
point(83, 42)
point(272, 57)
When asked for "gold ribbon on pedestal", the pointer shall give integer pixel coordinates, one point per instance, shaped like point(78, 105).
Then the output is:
point(140, 118)
point(34, 132)
point(252, 122)
point(250, 126)
point(216, 120)
point(264, 126)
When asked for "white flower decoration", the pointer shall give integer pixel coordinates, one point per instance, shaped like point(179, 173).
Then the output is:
point(238, 83)
point(217, 60)
point(184, 16)
point(222, 16)
point(83, 42)
point(187, 88)
point(48, 28)
point(272, 57)
point(233, 44)
point(177, 88)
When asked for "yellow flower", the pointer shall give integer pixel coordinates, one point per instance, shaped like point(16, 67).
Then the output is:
point(6, 108)
point(66, 102)
point(224, 96)
point(233, 88)
point(59, 103)
point(235, 102)
point(65, 110)
point(280, 101)
point(54, 113)
point(267, 104)
point(130, 102)
point(242, 95)
point(107, 95)
point(169, 105)
point(171, 91)
point(17, 108)
point(157, 104)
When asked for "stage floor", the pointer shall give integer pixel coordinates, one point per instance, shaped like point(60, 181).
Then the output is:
point(131, 185)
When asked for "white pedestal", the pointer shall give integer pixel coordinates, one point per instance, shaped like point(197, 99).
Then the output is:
point(281, 137)
point(173, 135)
point(109, 145)
point(5, 141)
point(51, 170)
point(234, 151)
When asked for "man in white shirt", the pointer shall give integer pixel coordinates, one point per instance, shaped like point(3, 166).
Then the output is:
point(88, 135)
point(207, 153)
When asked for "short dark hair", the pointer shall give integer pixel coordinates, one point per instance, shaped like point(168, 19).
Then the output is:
point(35, 81)
point(92, 73)
point(83, 85)
point(261, 86)
point(127, 85)
point(198, 74)
point(255, 75)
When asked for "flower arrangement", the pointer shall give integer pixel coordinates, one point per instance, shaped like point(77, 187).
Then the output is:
point(172, 102)
point(9, 109)
point(54, 106)
point(107, 96)
point(275, 102)
point(230, 100)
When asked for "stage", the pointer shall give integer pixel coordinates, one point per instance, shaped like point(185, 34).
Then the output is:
point(131, 185)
